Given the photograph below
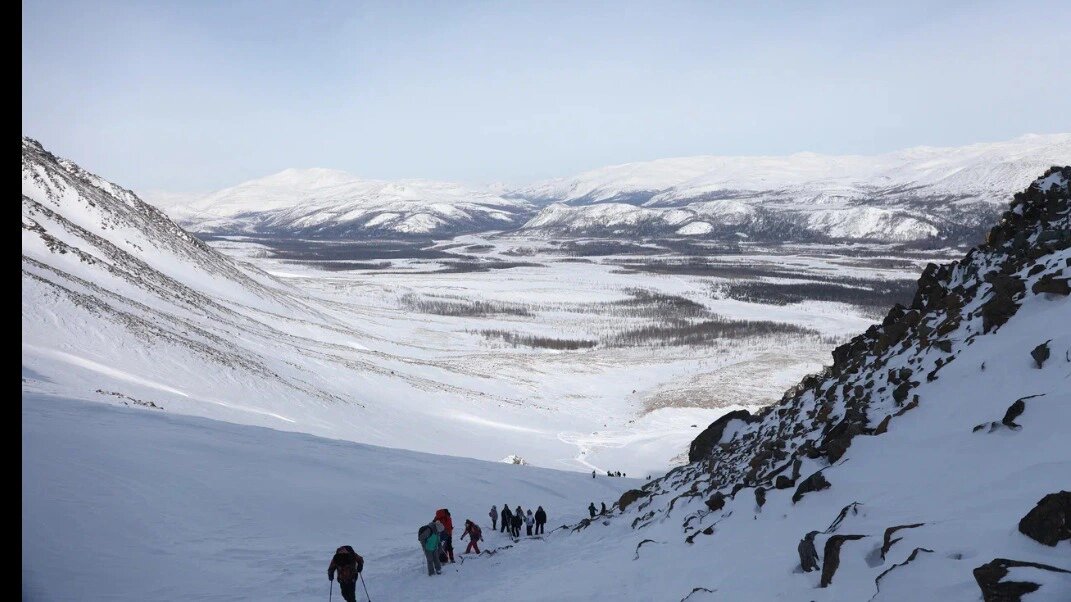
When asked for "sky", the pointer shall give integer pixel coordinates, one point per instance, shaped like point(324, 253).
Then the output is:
point(194, 96)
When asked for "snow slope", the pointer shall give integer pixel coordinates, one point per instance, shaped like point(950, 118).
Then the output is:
point(148, 505)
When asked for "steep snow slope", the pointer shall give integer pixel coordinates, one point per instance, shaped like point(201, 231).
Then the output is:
point(330, 203)
point(156, 506)
point(907, 195)
point(947, 418)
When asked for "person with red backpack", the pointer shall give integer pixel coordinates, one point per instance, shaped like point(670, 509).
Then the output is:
point(349, 565)
point(443, 516)
point(475, 537)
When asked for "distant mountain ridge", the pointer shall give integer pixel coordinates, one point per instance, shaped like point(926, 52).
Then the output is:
point(917, 194)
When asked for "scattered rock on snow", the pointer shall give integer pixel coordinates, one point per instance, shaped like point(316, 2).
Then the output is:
point(808, 555)
point(716, 501)
point(1041, 353)
point(629, 497)
point(760, 496)
point(990, 579)
point(1049, 522)
point(888, 541)
point(1013, 412)
point(1052, 285)
point(711, 436)
point(832, 556)
point(815, 482)
point(911, 558)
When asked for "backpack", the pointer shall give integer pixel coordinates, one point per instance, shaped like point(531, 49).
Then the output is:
point(432, 542)
point(476, 535)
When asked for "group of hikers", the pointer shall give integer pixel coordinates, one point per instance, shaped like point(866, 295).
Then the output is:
point(436, 541)
point(513, 519)
point(592, 509)
point(614, 473)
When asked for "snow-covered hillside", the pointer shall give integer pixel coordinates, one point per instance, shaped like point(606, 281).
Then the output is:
point(910, 461)
point(914, 194)
point(930, 461)
point(120, 305)
point(333, 204)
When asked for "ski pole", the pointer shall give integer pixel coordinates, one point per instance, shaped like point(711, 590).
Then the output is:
point(330, 590)
point(365, 585)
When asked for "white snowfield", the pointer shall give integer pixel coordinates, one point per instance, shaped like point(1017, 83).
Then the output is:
point(155, 506)
point(913, 194)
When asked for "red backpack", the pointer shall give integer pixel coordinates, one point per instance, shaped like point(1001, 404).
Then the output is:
point(476, 534)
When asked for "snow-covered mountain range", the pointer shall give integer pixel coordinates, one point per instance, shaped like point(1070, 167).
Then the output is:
point(911, 195)
point(326, 203)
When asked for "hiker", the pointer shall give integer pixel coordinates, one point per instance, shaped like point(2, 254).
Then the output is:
point(609, 474)
point(443, 516)
point(593, 474)
point(428, 536)
point(506, 517)
point(540, 520)
point(591, 509)
point(518, 518)
point(494, 518)
point(475, 537)
point(808, 555)
point(603, 507)
point(529, 521)
point(349, 565)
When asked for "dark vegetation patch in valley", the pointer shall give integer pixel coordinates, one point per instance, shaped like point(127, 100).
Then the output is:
point(679, 333)
point(516, 339)
point(458, 307)
point(874, 296)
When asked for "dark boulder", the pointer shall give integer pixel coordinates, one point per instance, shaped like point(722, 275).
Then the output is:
point(832, 556)
point(760, 496)
point(703, 444)
point(1040, 354)
point(900, 393)
point(1049, 522)
point(989, 577)
point(1014, 411)
point(815, 482)
point(1001, 306)
point(783, 482)
point(629, 497)
point(888, 541)
point(716, 502)
point(1052, 285)
point(808, 555)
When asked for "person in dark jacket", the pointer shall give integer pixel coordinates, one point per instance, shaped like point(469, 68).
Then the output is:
point(349, 565)
point(517, 520)
point(428, 536)
point(591, 509)
point(472, 531)
point(541, 519)
point(604, 511)
point(506, 518)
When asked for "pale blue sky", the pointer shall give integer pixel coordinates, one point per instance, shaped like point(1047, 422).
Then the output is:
point(192, 96)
